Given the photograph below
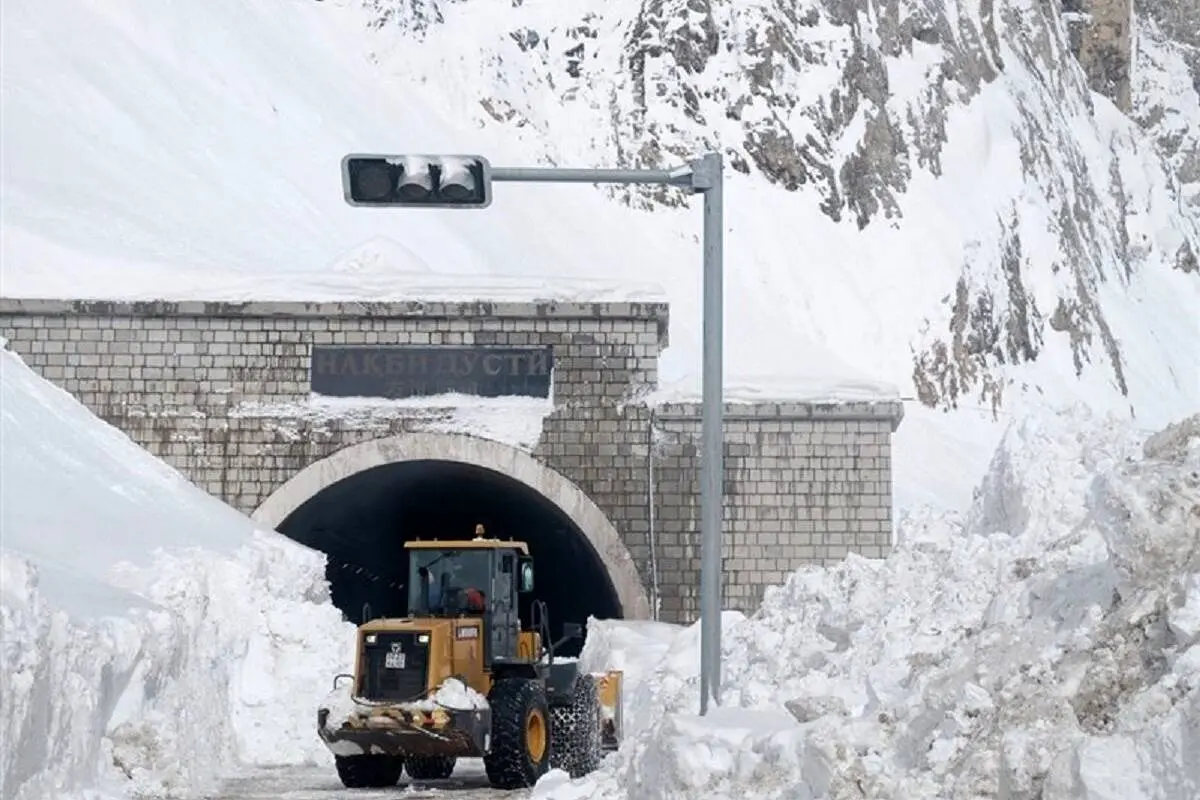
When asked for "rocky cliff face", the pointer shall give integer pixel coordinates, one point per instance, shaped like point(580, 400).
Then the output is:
point(1167, 89)
point(847, 103)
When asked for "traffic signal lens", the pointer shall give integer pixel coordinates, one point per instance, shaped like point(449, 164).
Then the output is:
point(372, 182)
point(457, 181)
point(412, 191)
point(456, 193)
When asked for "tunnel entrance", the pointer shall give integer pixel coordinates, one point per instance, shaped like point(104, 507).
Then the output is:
point(362, 522)
point(360, 505)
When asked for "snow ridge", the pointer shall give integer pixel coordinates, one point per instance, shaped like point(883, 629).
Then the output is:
point(231, 652)
point(1042, 646)
point(141, 616)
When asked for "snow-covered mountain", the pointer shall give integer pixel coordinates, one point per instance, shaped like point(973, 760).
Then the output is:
point(1167, 88)
point(962, 128)
point(922, 193)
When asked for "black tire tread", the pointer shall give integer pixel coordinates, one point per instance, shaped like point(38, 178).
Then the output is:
point(575, 731)
point(430, 768)
point(508, 765)
point(369, 771)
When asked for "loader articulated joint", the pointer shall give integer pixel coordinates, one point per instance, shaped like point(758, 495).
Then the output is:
point(540, 622)
point(571, 630)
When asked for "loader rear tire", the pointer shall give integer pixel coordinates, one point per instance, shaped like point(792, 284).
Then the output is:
point(520, 746)
point(430, 768)
point(369, 772)
point(575, 730)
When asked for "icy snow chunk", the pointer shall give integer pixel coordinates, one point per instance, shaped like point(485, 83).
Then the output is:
point(1176, 442)
point(455, 695)
point(807, 709)
point(1146, 512)
point(556, 785)
point(340, 705)
point(149, 754)
point(1184, 619)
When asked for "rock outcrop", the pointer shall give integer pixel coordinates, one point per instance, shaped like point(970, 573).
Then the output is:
point(851, 104)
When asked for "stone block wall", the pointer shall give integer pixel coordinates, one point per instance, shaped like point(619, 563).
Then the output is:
point(194, 355)
point(804, 482)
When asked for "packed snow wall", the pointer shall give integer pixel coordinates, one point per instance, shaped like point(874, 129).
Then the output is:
point(1044, 645)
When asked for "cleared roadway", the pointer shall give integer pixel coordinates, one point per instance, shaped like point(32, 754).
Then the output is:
point(321, 783)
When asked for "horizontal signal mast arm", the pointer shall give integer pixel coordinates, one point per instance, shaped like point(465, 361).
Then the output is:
point(673, 177)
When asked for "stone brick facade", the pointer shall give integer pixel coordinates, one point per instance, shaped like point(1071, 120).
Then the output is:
point(804, 482)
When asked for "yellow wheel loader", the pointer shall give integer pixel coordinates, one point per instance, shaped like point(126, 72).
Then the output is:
point(461, 677)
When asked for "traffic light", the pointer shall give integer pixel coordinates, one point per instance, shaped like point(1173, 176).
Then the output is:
point(417, 181)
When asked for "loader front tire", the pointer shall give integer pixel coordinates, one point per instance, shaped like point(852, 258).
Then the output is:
point(369, 772)
point(430, 768)
point(576, 730)
point(520, 747)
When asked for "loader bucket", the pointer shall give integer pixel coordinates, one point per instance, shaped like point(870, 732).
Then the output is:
point(609, 686)
point(398, 730)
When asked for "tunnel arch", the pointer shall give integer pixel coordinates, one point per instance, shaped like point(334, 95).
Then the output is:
point(603, 538)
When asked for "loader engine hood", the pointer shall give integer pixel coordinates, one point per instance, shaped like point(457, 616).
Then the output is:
point(401, 660)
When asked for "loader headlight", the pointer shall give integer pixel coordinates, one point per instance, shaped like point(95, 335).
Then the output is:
point(423, 638)
point(372, 638)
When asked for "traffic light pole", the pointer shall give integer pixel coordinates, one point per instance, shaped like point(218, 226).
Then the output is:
point(463, 182)
point(704, 176)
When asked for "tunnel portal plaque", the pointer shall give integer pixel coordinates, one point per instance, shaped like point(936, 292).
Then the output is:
point(397, 371)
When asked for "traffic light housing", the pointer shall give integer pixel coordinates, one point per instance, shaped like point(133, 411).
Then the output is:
point(417, 181)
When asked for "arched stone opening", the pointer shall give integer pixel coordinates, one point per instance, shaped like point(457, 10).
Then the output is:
point(360, 504)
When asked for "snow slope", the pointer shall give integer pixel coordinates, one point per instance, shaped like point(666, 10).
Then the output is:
point(887, 226)
point(141, 616)
point(1045, 645)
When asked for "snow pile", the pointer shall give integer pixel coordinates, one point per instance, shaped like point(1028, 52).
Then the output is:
point(455, 695)
point(340, 705)
point(141, 616)
point(1044, 646)
point(657, 660)
point(515, 421)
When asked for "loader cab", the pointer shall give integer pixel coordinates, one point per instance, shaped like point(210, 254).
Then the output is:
point(475, 578)
point(449, 582)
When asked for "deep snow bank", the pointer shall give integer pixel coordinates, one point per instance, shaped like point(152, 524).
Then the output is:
point(141, 616)
point(1044, 646)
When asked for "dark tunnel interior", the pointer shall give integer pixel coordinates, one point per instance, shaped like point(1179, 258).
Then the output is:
point(362, 522)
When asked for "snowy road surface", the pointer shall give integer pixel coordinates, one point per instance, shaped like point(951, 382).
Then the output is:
point(321, 783)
